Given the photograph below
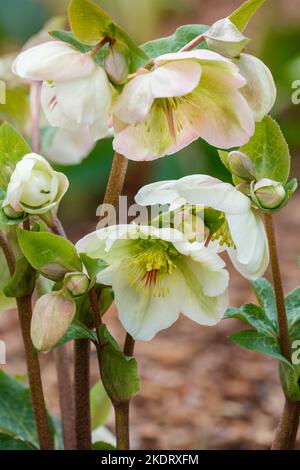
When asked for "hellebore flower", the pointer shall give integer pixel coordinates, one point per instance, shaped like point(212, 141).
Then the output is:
point(76, 91)
point(239, 230)
point(260, 91)
point(187, 95)
point(156, 274)
point(34, 187)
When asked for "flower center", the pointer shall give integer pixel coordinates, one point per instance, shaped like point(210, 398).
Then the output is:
point(153, 259)
point(223, 234)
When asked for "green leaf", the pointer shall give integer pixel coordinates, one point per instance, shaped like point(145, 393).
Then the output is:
point(101, 405)
point(8, 442)
point(292, 303)
point(23, 280)
point(16, 414)
point(106, 299)
point(138, 58)
point(77, 330)
point(16, 108)
point(119, 373)
point(51, 255)
point(12, 149)
point(264, 293)
point(93, 266)
point(241, 17)
point(176, 41)
point(254, 341)
point(269, 151)
point(289, 377)
point(103, 446)
point(254, 316)
point(89, 23)
point(67, 36)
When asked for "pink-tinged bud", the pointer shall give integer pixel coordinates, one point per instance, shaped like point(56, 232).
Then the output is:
point(241, 165)
point(52, 316)
point(11, 213)
point(77, 284)
point(116, 66)
point(269, 194)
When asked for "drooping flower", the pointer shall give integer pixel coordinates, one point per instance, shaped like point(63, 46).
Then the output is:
point(239, 228)
point(76, 92)
point(260, 91)
point(68, 147)
point(34, 187)
point(187, 95)
point(156, 274)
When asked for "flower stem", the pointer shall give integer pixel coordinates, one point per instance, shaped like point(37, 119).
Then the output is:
point(82, 394)
point(32, 361)
point(66, 402)
point(194, 43)
point(80, 437)
point(286, 432)
point(122, 426)
point(116, 180)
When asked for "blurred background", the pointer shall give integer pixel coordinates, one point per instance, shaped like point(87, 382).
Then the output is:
point(198, 390)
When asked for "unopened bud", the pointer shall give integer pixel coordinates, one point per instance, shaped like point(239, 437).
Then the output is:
point(77, 284)
point(52, 316)
point(11, 213)
point(241, 165)
point(116, 66)
point(269, 194)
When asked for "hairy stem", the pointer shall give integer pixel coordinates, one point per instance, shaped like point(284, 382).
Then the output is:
point(285, 435)
point(32, 361)
point(66, 402)
point(116, 180)
point(82, 395)
point(122, 426)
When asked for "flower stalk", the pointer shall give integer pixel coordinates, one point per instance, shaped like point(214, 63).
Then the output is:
point(286, 432)
point(33, 367)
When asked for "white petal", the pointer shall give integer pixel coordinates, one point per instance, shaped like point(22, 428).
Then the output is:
point(211, 192)
point(69, 148)
point(244, 229)
point(162, 192)
point(142, 315)
point(54, 60)
point(259, 261)
point(84, 100)
point(260, 90)
point(225, 38)
point(197, 305)
point(53, 111)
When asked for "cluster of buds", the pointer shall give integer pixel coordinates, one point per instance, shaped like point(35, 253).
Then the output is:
point(266, 193)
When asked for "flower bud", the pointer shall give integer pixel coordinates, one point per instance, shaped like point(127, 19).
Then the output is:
point(77, 284)
point(116, 66)
point(52, 316)
point(34, 186)
point(241, 165)
point(226, 39)
point(11, 213)
point(269, 194)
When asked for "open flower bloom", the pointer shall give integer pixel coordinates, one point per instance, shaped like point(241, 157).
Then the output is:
point(34, 186)
point(76, 91)
point(187, 95)
point(156, 274)
point(260, 91)
point(242, 232)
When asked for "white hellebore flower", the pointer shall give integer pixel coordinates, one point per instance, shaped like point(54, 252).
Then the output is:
point(242, 232)
point(260, 91)
point(76, 91)
point(187, 95)
point(156, 274)
point(34, 187)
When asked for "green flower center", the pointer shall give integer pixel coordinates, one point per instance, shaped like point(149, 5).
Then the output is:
point(223, 235)
point(153, 259)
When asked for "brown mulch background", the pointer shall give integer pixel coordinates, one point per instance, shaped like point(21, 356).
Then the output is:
point(199, 391)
